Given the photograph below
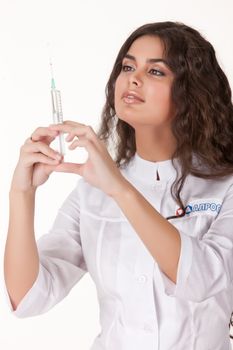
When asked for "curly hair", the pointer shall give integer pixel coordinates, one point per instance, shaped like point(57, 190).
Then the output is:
point(203, 121)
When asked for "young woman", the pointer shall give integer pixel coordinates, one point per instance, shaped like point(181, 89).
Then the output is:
point(154, 226)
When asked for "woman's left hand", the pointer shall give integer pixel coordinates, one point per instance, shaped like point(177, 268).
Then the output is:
point(99, 170)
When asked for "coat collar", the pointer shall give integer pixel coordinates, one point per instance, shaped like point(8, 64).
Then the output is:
point(146, 171)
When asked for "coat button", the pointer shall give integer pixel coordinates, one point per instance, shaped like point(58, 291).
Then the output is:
point(142, 279)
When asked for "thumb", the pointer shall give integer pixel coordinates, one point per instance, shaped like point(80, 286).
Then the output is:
point(48, 169)
point(70, 168)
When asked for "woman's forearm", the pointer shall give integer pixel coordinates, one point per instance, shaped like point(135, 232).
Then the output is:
point(21, 261)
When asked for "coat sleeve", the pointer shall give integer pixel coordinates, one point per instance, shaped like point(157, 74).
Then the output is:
point(62, 263)
point(205, 266)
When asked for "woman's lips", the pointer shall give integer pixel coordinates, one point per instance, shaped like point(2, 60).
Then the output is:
point(132, 97)
point(131, 100)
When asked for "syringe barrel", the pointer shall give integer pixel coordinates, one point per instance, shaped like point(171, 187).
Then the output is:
point(58, 116)
point(56, 105)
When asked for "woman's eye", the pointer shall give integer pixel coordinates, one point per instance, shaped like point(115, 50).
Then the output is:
point(126, 68)
point(157, 72)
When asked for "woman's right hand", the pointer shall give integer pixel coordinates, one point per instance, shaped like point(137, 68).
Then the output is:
point(36, 162)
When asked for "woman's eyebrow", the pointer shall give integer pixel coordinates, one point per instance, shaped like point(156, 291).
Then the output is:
point(149, 60)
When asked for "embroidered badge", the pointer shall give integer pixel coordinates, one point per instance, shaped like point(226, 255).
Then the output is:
point(210, 206)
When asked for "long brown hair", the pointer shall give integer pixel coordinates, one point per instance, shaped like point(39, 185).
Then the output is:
point(203, 123)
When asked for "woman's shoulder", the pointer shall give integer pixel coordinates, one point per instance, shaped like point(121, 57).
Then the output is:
point(214, 188)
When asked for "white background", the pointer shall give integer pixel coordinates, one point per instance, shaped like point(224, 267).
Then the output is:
point(84, 38)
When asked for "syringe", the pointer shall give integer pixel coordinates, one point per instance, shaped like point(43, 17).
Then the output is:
point(57, 111)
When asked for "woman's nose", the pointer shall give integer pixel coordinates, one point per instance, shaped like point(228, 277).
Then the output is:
point(135, 79)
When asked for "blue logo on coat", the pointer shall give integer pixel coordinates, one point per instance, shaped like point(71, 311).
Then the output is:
point(208, 206)
point(195, 207)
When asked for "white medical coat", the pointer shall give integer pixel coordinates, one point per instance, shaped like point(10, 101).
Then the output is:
point(141, 308)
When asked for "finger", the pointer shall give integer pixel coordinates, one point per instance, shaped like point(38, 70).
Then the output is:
point(43, 132)
point(69, 127)
point(40, 147)
point(68, 122)
point(47, 140)
point(40, 158)
point(71, 122)
point(66, 128)
point(48, 168)
point(70, 137)
point(90, 147)
point(82, 130)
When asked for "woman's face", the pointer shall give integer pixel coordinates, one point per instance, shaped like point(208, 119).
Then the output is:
point(143, 87)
